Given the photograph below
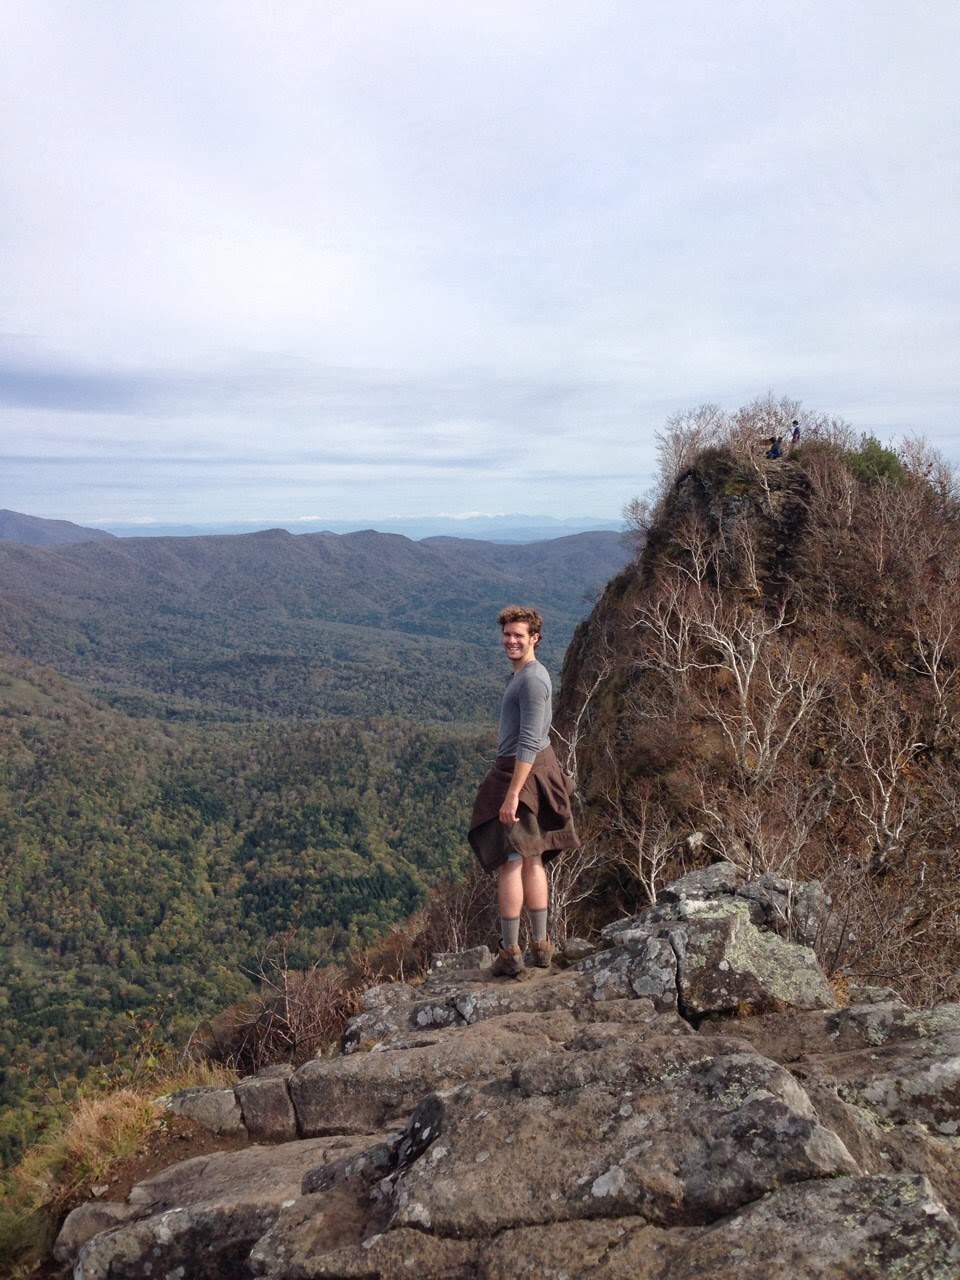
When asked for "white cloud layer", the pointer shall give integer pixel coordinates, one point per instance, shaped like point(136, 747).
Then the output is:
point(261, 260)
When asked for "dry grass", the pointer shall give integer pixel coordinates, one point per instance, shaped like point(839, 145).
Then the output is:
point(65, 1164)
point(62, 1168)
point(840, 984)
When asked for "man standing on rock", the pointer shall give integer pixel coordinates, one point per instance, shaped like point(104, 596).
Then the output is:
point(522, 816)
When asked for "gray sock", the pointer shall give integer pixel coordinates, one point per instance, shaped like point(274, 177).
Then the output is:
point(538, 923)
point(509, 932)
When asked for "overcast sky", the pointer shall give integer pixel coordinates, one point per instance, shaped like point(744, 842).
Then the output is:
point(271, 260)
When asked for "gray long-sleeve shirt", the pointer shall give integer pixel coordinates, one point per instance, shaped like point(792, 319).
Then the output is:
point(526, 713)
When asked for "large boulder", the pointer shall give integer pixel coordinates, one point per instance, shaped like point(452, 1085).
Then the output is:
point(641, 964)
point(267, 1108)
point(215, 1109)
point(703, 952)
point(725, 964)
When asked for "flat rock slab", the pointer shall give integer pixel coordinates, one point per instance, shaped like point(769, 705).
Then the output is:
point(901, 1081)
point(845, 1229)
point(259, 1174)
point(365, 1091)
point(440, 1003)
point(807, 1034)
point(664, 1130)
point(842, 1229)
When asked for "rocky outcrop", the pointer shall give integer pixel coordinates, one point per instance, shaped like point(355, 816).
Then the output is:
point(687, 1100)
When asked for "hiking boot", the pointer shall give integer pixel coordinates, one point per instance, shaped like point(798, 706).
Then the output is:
point(542, 953)
point(508, 963)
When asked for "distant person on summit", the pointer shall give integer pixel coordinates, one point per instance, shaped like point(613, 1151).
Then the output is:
point(522, 816)
point(795, 433)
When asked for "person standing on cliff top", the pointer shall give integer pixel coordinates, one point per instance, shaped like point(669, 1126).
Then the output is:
point(522, 816)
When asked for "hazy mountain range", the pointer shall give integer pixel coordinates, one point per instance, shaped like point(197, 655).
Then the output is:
point(275, 624)
point(34, 531)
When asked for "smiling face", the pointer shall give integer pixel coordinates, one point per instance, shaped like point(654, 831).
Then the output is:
point(519, 643)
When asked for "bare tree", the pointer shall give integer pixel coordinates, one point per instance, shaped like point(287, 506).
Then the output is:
point(638, 516)
point(684, 436)
point(573, 881)
point(766, 828)
point(296, 1012)
point(694, 556)
point(589, 685)
point(457, 915)
point(935, 629)
point(883, 742)
point(763, 686)
point(905, 940)
point(645, 838)
point(833, 494)
point(926, 463)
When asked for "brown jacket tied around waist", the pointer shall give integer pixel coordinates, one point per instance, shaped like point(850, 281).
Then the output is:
point(545, 816)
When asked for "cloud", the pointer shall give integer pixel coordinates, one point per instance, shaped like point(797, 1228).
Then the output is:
point(461, 241)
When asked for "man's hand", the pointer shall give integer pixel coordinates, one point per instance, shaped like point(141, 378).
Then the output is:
point(511, 801)
point(508, 810)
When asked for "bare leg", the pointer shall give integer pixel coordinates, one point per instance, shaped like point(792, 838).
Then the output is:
point(511, 882)
point(535, 890)
point(521, 884)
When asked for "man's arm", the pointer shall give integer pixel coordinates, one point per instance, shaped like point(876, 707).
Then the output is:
point(533, 701)
point(508, 810)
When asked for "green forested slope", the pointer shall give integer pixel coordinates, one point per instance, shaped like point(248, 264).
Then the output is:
point(142, 866)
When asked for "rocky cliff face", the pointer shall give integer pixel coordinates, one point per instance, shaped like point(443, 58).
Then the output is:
point(777, 678)
point(687, 1100)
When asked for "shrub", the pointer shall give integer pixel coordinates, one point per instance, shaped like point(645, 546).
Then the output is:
point(874, 462)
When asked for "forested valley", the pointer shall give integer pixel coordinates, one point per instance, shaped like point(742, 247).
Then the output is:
point(146, 866)
point(208, 744)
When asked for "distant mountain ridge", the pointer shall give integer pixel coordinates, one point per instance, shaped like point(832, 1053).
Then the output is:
point(487, 528)
point(275, 624)
point(33, 531)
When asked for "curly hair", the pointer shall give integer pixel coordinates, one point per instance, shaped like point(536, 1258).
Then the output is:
point(521, 613)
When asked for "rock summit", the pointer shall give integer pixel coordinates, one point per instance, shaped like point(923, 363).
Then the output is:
point(688, 1099)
